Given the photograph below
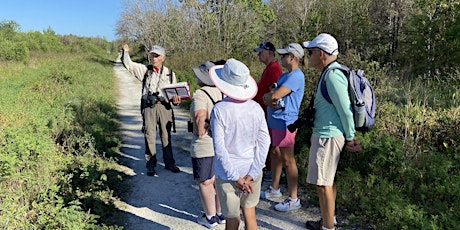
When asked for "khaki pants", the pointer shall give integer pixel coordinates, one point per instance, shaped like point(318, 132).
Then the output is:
point(158, 115)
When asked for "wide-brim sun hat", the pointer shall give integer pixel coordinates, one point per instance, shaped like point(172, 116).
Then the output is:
point(202, 72)
point(234, 80)
point(325, 42)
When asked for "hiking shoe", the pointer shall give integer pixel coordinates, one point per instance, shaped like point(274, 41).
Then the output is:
point(270, 193)
point(288, 205)
point(267, 175)
point(220, 219)
point(152, 172)
point(314, 225)
point(173, 168)
point(203, 220)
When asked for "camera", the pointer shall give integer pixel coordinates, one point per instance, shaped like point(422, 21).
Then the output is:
point(153, 98)
point(306, 118)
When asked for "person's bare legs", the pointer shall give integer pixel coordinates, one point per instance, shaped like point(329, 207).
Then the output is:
point(250, 220)
point(327, 196)
point(208, 196)
point(277, 166)
point(292, 174)
point(232, 223)
point(218, 207)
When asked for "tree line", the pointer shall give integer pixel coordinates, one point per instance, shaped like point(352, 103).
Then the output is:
point(407, 175)
point(417, 37)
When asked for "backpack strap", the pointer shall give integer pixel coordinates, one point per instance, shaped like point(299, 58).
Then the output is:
point(144, 80)
point(323, 87)
point(170, 74)
point(213, 102)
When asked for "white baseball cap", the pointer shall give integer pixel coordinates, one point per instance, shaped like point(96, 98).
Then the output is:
point(325, 42)
point(158, 50)
point(292, 48)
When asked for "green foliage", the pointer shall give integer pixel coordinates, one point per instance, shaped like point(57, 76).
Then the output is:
point(58, 136)
point(13, 51)
point(432, 36)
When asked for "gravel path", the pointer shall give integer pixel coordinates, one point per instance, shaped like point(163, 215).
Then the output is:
point(171, 201)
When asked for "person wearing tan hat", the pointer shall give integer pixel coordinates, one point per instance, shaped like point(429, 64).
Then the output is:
point(241, 142)
point(155, 108)
point(333, 127)
point(202, 150)
point(283, 108)
point(270, 75)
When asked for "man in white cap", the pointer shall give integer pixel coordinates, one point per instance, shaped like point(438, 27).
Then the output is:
point(241, 143)
point(155, 107)
point(333, 127)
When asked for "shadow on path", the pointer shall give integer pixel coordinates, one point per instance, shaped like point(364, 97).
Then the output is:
point(171, 201)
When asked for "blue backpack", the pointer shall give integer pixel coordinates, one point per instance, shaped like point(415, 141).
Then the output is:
point(361, 95)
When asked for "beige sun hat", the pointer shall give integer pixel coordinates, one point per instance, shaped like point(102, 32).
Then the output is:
point(202, 72)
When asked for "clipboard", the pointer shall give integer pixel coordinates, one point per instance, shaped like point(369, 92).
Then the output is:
point(181, 88)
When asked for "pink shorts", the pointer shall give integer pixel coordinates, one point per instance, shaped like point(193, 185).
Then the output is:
point(282, 137)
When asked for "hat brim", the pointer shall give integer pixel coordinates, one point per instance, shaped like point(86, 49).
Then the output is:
point(307, 45)
point(258, 49)
point(203, 76)
point(282, 51)
point(239, 93)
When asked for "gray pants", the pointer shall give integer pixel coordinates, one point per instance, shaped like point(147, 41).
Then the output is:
point(161, 115)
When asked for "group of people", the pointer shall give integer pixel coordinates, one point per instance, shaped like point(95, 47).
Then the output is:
point(240, 127)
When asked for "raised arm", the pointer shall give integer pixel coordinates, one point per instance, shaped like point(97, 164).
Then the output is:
point(136, 69)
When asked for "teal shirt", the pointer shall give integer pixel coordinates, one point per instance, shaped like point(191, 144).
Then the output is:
point(334, 119)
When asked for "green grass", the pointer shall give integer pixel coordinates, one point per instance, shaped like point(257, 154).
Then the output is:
point(58, 138)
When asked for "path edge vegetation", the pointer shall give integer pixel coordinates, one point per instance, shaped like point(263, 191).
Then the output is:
point(58, 123)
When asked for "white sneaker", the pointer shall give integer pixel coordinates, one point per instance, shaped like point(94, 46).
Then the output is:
point(288, 205)
point(203, 220)
point(270, 193)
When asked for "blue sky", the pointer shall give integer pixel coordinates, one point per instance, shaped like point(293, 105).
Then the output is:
point(88, 18)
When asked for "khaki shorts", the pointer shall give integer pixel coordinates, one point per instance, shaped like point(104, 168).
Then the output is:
point(323, 160)
point(232, 200)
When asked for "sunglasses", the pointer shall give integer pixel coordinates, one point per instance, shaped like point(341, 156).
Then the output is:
point(310, 51)
point(155, 55)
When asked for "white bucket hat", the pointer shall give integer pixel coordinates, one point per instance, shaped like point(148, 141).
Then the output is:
point(202, 72)
point(325, 42)
point(234, 80)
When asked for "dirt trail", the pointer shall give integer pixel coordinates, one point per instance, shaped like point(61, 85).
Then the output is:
point(171, 201)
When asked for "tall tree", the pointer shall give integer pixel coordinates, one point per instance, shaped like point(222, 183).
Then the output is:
point(224, 28)
point(432, 36)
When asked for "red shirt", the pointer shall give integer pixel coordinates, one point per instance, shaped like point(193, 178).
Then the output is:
point(270, 75)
